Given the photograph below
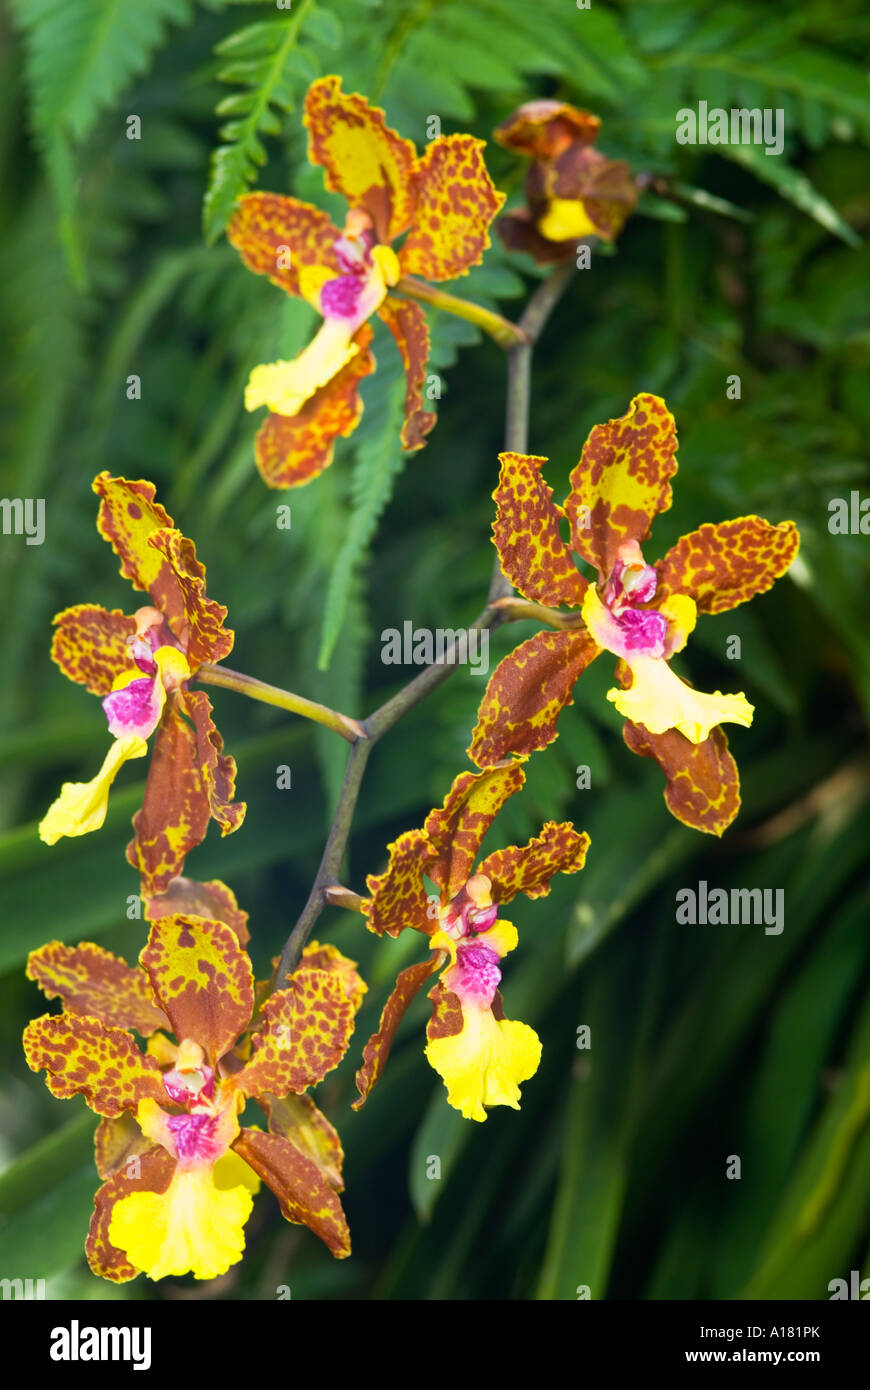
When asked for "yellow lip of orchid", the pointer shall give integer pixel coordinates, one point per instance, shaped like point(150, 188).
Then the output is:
point(657, 698)
point(565, 218)
point(485, 1063)
point(81, 806)
point(197, 1225)
point(285, 386)
point(194, 1227)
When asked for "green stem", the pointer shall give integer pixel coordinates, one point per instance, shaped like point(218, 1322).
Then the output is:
point(505, 333)
point(283, 699)
point(518, 610)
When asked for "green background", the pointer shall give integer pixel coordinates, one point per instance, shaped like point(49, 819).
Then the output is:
point(706, 1041)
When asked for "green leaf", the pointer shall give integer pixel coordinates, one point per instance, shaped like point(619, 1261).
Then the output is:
point(815, 1230)
point(710, 202)
point(46, 1201)
point(601, 1114)
point(441, 1134)
point(793, 186)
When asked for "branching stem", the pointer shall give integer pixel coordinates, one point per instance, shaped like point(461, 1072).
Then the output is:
point(520, 341)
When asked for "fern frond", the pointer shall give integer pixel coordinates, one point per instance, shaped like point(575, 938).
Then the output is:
point(379, 461)
point(81, 57)
point(272, 62)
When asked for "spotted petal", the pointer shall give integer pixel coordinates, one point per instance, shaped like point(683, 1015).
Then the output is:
point(82, 1057)
point(456, 829)
point(174, 815)
point(306, 1028)
point(116, 1141)
point(128, 515)
point(202, 980)
point(90, 645)
point(398, 898)
point(278, 236)
point(727, 564)
point(180, 590)
point(218, 769)
point(153, 1172)
point(291, 450)
point(408, 985)
point(527, 535)
point(329, 958)
point(407, 323)
point(456, 203)
point(190, 780)
point(542, 129)
point(530, 868)
point(213, 900)
point(304, 1193)
point(703, 785)
point(622, 481)
point(527, 692)
point(298, 1120)
point(92, 981)
point(364, 159)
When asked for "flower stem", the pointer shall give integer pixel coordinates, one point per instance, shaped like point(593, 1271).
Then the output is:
point(284, 699)
point(505, 333)
point(518, 610)
point(520, 340)
point(339, 896)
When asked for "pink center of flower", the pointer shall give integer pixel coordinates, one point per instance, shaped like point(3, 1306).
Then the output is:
point(195, 1136)
point(476, 974)
point(132, 709)
point(141, 652)
point(480, 919)
point(339, 298)
point(185, 1086)
point(464, 918)
point(629, 584)
point(642, 630)
point(353, 252)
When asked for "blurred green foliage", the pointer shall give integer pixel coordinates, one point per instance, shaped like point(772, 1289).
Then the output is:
point(706, 1041)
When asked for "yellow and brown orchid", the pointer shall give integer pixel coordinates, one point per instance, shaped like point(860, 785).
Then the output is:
point(441, 203)
point(641, 613)
point(481, 1056)
point(141, 664)
point(179, 1170)
point(572, 190)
